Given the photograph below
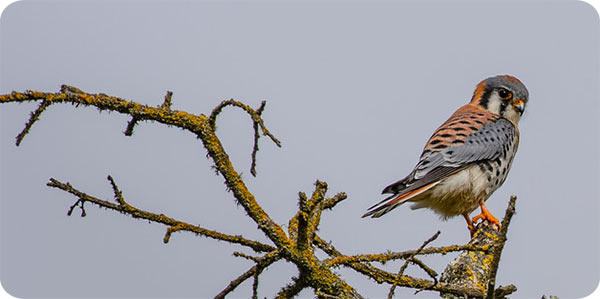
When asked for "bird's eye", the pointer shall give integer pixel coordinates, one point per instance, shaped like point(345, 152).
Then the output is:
point(505, 94)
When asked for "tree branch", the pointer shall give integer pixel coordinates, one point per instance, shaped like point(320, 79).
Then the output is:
point(257, 122)
point(477, 269)
point(381, 276)
point(390, 256)
point(200, 125)
point(498, 246)
point(298, 245)
point(174, 225)
point(32, 119)
point(409, 259)
point(261, 264)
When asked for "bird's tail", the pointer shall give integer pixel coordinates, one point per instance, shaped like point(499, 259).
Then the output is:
point(391, 202)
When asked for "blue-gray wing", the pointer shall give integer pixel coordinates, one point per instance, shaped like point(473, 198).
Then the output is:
point(489, 142)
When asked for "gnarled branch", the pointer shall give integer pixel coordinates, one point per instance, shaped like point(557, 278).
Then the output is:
point(174, 225)
point(298, 245)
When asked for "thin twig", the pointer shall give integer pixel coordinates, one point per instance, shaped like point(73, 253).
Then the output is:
point(236, 282)
point(167, 103)
point(292, 289)
point(425, 268)
point(129, 129)
point(502, 291)
point(248, 257)
point(125, 208)
point(389, 256)
point(330, 202)
point(263, 263)
point(255, 117)
point(255, 283)
point(256, 137)
point(32, 119)
point(409, 259)
point(257, 122)
point(79, 203)
point(170, 230)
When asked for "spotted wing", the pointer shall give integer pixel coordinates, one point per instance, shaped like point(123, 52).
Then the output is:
point(489, 142)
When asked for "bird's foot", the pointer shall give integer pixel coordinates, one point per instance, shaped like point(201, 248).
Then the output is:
point(469, 224)
point(486, 215)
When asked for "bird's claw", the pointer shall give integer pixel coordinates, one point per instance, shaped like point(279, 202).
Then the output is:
point(486, 215)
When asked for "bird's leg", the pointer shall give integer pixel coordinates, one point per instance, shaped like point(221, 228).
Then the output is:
point(469, 224)
point(486, 215)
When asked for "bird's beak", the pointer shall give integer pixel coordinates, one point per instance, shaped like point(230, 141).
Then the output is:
point(519, 105)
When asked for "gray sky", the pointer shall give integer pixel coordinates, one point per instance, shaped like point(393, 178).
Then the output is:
point(354, 90)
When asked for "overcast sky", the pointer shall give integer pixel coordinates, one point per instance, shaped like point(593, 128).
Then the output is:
point(353, 91)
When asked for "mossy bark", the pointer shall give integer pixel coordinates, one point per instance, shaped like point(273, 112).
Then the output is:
point(472, 268)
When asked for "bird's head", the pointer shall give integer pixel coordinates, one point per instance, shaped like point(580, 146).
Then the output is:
point(503, 95)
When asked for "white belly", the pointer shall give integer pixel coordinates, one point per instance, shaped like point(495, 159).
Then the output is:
point(457, 194)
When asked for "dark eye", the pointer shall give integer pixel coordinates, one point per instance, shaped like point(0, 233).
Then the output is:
point(505, 94)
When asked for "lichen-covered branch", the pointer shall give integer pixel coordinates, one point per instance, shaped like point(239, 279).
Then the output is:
point(390, 256)
point(261, 264)
point(478, 269)
point(297, 246)
point(498, 246)
point(174, 225)
point(257, 122)
point(381, 276)
point(410, 259)
point(200, 125)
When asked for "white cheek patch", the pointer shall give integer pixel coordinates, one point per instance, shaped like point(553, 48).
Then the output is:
point(494, 104)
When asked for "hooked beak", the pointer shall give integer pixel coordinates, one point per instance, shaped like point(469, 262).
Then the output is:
point(519, 106)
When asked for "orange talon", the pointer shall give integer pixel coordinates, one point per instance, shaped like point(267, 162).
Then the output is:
point(486, 215)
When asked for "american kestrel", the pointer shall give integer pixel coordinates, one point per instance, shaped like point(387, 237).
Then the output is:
point(467, 158)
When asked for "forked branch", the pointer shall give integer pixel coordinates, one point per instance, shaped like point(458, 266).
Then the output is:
point(297, 246)
point(122, 206)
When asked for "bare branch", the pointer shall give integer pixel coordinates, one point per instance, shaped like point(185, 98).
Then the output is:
point(262, 263)
point(381, 276)
point(409, 259)
point(170, 230)
point(255, 283)
point(79, 203)
point(330, 202)
point(125, 208)
point(291, 290)
point(501, 292)
point(200, 125)
point(298, 245)
point(32, 119)
point(254, 114)
point(248, 257)
point(129, 129)
point(257, 122)
point(167, 103)
point(256, 137)
point(389, 256)
point(309, 215)
point(497, 249)
point(475, 269)
point(425, 268)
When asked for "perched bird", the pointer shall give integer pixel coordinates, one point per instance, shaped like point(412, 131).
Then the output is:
point(467, 158)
